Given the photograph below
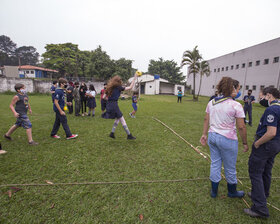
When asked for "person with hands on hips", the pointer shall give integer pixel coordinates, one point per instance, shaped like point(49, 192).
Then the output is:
point(223, 113)
point(264, 150)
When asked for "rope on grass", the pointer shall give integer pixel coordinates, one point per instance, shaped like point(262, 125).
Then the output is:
point(198, 151)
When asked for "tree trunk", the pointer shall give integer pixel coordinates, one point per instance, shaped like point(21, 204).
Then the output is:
point(199, 86)
point(194, 87)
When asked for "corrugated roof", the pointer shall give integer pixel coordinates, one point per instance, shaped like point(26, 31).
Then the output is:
point(31, 67)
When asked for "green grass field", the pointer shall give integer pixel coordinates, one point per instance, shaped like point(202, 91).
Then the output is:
point(156, 154)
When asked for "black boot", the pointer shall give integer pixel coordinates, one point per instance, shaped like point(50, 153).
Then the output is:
point(112, 135)
point(214, 189)
point(130, 137)
point(233, 193)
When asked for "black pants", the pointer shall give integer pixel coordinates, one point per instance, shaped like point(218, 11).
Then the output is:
point(84, 104)
point(77, 107)
point(63, 120)
point(70, 108)
point(248, 109)
point(179, 99)
point(260, 165)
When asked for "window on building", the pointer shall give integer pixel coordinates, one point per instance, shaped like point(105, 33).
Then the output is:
point(254, 87)
point(227, 68)
point(261, 87)
point(247, 87)
point(258, 63)
point(231, 67)
point(243, 65)
point(214, 70)
point(218, 69)
point(250, 64)
point(32, 72)
point(266, 61)
point(240, 86)
point(276, 60)
point(213, 86)
point(237, 67)
point(27, 72)
point(222, 69)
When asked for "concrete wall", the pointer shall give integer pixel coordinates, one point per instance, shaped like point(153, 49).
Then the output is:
point(11, 71)
point(32, 85)
point(251, 76)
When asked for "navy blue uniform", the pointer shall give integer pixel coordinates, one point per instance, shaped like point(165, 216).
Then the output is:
point(261, 159)
point(112, 107)
point(53, 88)
point(248, 106)
point(59, 95)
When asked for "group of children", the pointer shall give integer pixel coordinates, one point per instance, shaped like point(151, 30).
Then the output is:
point(109, 106)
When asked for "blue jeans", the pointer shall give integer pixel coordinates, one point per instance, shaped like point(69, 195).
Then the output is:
point(222, 150)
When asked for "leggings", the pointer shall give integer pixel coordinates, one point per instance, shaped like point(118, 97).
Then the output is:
point(84, 104)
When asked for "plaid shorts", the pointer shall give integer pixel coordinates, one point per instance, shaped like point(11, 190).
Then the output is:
point(23, 121)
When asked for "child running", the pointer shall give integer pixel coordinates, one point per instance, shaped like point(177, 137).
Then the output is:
point(20, 112)
point(113, 91)
point(134, 105)
point(58, 107)
point(91, 100)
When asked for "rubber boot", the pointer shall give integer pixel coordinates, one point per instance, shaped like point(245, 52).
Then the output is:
point(233, 193)
point(214, 189)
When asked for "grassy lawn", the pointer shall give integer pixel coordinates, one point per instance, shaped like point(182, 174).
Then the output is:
point(156, 154)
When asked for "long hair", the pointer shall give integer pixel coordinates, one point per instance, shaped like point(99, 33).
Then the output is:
point(226, 85)
point(113, 83)
point(91, 87)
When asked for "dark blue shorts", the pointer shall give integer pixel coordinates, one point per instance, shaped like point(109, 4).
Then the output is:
point(134, 105)
point(112, 110)
point(23, 121)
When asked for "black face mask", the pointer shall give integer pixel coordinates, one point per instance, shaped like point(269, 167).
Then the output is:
point(65, 86)
point(264, 102)
point(249, 94)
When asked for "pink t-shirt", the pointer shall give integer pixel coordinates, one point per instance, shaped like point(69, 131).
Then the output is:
point(223, 117)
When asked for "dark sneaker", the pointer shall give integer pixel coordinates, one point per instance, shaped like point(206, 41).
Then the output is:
point(72, 136)
point(33, 143)
point(7, 137)
point(251, 213)
point(55, 136)
point(130, 137)
point(112, 135)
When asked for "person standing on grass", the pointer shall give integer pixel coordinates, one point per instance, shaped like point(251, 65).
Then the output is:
point(53, 87)
point(76, 95)
point(91, 100)
point(60, 116)
point(248, 100)
point(134, 105)
point(113, 91)
point(222, 114)
point(179, 96)
point(83, 98)
point(264, 150)
point(69, 99)
point(103, 102)
point(19, 106)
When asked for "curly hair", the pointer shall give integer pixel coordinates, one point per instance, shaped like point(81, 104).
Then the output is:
point(113, 83)
point(226, 86)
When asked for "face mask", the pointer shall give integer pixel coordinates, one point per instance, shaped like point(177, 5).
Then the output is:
point(249, 94)
point(65, 86)
point(238, 94)
point(264, 102)
point(23, 91)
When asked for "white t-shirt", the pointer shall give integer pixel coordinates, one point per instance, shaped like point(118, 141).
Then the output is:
point(223, 117)
point(92, 93)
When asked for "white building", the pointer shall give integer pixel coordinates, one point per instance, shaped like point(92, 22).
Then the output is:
point(254, 67)
point(153, 85)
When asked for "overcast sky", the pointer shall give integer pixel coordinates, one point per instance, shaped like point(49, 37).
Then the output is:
point(142, 30)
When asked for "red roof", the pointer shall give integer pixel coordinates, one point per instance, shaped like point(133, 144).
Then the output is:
point(31, 67)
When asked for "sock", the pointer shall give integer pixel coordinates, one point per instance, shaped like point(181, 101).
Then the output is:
point(115, 125)
point(122, 120)
point(93, 112)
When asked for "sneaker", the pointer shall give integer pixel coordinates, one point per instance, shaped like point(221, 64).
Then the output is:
point(2, 151)
point(88, 115)
point(7, 137)
point(72, 136)
point(130, 137)
point(251, 213)
point(112, 135)
point(130, 114)
point(55, 136)
point(133, 116)
point(33, 143)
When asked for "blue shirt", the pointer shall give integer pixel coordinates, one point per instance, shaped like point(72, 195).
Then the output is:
point(116, 93)
point(59, 95)
point(53, 89)
point(271, 117)
point(250, 100)
point(134, 99)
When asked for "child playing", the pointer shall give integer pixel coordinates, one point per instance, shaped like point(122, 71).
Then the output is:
point(20, 101)
point(91, 100)
point(103, 102)
point(113, 91)
point(76, 95)
point(134, 105)
point(58, 108)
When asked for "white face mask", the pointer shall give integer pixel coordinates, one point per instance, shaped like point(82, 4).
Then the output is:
point(23, 91)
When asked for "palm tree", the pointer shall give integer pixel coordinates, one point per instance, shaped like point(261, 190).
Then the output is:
point(192, 59)
point(204, 69)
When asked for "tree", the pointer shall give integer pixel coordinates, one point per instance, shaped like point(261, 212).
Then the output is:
point(123, 68)
point(7, 51)
point(204, 69)
point(167, 70)
point(27, 55)
point(192, 59)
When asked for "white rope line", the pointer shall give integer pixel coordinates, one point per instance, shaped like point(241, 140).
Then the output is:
point(198, 151)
